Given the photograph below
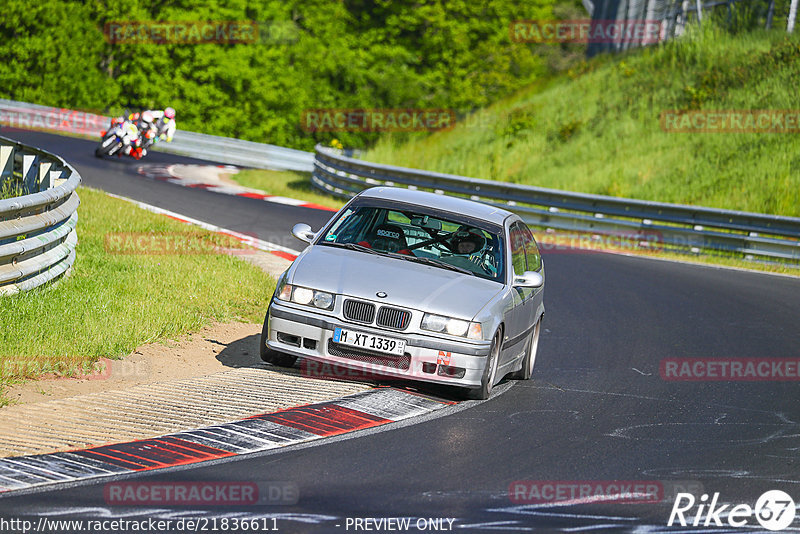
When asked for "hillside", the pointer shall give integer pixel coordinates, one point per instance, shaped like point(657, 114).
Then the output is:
point(597, 128)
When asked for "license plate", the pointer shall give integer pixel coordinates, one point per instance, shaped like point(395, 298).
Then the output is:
point(369, 342)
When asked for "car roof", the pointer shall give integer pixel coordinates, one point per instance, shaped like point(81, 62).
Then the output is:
point(463, 206)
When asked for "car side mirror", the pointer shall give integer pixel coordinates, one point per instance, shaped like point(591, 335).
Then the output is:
point(531, 279)
point(303, 232)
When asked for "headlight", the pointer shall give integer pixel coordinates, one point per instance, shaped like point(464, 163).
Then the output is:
point(323, 300)
point(305, 296)
point(454, 327)
point(302, 295)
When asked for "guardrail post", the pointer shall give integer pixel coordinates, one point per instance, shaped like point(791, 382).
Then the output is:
point(6, 165)
point(30, 173)
point(50, 180)
point(44, 175)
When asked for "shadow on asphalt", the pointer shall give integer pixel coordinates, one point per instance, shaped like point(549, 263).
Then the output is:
point(244, 353)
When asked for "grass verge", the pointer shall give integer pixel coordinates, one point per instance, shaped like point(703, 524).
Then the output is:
point(289, 184)
point(114, 302)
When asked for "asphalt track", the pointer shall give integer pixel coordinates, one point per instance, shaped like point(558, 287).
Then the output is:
point(597, 408)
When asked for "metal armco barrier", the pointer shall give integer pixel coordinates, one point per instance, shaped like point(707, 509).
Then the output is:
point(195, 145)
point(237, 152)
point(676, 227)
point(37, 229)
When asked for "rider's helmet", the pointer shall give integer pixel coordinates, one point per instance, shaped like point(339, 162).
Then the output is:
point(169, 113)
point(467, 241)
point(147, 117)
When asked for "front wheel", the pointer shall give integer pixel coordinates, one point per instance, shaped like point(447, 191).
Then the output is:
point(483, 391)
point(530, 355)
point(108, 146)
point(272, 356)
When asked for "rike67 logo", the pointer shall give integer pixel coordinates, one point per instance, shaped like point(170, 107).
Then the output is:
point(774, 510)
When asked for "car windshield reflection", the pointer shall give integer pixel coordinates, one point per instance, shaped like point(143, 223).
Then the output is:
point(440, 242)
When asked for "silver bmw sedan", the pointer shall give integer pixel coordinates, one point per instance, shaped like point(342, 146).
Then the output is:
point(412, 285)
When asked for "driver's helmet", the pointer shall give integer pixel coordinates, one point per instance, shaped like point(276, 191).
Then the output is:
point(467, 241)
point(147, 117)
point(169, 113)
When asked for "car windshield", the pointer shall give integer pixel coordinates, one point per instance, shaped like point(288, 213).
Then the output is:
point(434, 240)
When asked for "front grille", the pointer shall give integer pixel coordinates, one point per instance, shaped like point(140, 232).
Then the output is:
point(375, 358)
point(361, 312)
point(393, 318)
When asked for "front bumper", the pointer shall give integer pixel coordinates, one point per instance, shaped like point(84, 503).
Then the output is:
point(306, 333)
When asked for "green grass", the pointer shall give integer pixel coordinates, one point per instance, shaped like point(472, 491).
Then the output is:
point(114, 302)
point(9, 189)
point(286, 184)
point(596, 128)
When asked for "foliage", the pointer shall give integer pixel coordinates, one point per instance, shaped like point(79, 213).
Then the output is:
point(454, 54)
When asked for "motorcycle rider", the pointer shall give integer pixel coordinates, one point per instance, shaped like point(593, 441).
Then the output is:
point(148, 131)
point(130, 136)
point(161, 122)
point(165, 123)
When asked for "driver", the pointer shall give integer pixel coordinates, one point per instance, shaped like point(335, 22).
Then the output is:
point(467, 241)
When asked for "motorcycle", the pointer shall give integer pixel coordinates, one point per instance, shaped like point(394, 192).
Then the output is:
point(121, 138)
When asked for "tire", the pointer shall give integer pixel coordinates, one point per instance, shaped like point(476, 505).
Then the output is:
point(106, 148)
point(530, 355)
point(272, 356)
point(483, 391)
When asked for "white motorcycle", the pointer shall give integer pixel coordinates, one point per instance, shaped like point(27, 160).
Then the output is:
point(121, 138)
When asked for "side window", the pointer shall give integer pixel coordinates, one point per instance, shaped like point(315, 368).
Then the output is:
point(534, 259)
point(518, 249)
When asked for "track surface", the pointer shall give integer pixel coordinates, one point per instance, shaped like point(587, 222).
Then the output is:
point(596, 409)
point(116, 175)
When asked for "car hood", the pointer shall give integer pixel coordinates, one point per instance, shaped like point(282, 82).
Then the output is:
point(407, 284)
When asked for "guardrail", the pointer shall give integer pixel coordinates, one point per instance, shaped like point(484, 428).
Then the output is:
point(238, 152)
point(37, 229)
point(192, 144)
point(647, 224)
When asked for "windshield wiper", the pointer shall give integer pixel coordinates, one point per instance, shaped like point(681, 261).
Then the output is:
point(353, 246)
point(435, 263)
